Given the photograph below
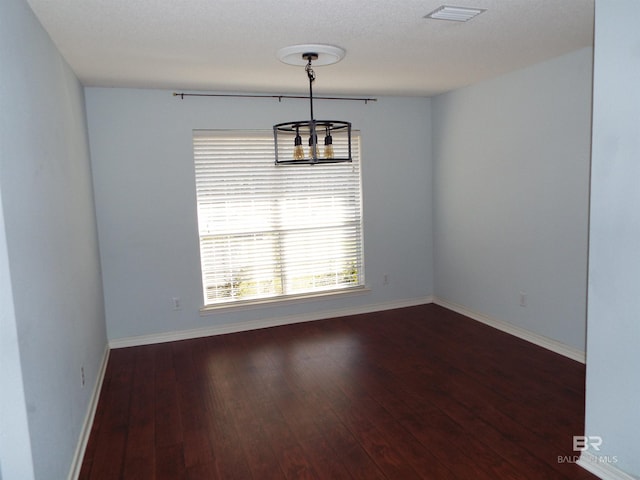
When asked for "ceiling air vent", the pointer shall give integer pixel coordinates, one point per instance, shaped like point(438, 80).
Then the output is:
point(455, 14)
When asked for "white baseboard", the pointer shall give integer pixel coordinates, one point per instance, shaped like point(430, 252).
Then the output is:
point(263, 323)
point(519, 332)
point(76, 464)
point(606, 470)
point(540, 340)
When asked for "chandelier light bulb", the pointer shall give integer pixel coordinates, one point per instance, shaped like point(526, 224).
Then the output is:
point(313, 146)
point(298, 151)
point(328, 145)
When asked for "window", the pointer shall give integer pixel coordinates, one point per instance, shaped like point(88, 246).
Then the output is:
point(270, 231)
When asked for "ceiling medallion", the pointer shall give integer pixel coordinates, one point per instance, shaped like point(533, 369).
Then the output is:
point(325, 54)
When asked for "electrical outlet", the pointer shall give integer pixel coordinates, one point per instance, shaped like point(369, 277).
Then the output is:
point(385, 279)
point(177, 303)
point(523, 299)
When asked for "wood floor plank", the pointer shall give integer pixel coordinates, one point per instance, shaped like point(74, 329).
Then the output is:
point(419, 392)
point(139, 461)
point(168, 423)
point(302, 429)
point(472, 393)
point(225, 434)
point(170, 463)
point(203, 471)
point(293, 461)
point(108, 453)
point(361, 406)
point(438, 425)
point(192, 383)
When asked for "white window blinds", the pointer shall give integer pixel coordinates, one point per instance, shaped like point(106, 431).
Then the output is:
point(268, 231)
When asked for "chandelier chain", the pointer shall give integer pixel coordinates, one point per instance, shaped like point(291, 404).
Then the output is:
point(310, 73)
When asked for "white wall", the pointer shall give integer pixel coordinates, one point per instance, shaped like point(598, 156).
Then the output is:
point(52, 309)
point(16, 460)
point(613, 353)
point(141, 144)
point(511, 178)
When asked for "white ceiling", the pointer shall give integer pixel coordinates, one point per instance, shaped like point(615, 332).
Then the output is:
point(231, 45)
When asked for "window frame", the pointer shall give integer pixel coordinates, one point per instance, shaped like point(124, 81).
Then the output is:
point(355, 238)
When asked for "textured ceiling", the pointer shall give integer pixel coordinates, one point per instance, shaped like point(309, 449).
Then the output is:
point(231, 45)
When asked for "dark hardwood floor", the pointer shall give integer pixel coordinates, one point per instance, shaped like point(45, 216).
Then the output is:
point(418, 392)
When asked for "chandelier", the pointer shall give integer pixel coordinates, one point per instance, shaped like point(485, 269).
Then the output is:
point(310, 142)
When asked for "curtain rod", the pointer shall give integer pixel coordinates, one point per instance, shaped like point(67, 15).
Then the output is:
point(279, 97)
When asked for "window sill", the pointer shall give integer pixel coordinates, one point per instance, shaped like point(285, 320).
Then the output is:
point(280, 301)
